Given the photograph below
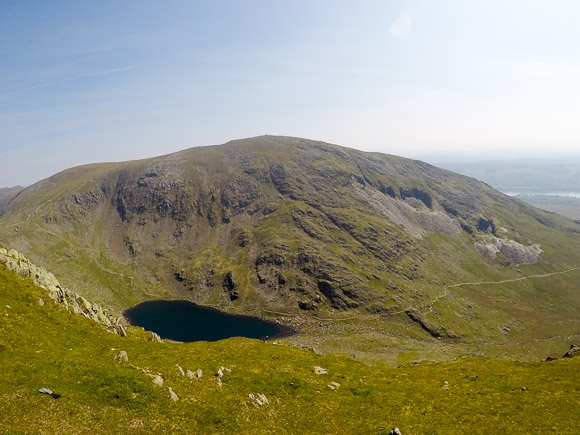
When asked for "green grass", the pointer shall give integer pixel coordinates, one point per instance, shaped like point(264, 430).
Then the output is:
point(49, 347)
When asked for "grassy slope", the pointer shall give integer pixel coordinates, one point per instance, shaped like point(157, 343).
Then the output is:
point(48, 347)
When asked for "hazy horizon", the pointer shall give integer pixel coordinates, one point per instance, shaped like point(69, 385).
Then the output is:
point(97, 82)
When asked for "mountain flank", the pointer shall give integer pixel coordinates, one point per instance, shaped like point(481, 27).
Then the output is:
point(334, 241)
point(6, 194)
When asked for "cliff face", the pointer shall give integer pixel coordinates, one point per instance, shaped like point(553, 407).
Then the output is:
point(276, 224)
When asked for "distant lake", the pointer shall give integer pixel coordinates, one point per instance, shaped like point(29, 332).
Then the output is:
point(186, 322)
point(546, 193)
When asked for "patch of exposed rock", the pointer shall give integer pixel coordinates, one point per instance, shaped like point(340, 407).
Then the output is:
point(512, 250)
point(413, 214)
point(436, 331)
point(72, 301)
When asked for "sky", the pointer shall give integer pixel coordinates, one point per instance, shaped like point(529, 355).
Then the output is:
point(110, 80)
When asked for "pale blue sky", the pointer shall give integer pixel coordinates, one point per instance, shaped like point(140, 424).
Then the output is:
point(83, 82)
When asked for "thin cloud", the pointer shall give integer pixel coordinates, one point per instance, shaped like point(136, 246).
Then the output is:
point(401, 28)
point(68, 79)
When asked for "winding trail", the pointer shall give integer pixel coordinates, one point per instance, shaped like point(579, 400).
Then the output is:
point(522, 278)
point(442, 295)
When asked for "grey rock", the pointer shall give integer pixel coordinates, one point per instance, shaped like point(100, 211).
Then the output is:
point(192, 375)
point(320, 371)
point(259, 400)
point(174, 396)
point(19, 264)
point(49, 392)
point(157, 379)
point(120, 330)
point(572, 352)
point(395, 431)
point(121, 357)
point(333, 385)
point(41, 302)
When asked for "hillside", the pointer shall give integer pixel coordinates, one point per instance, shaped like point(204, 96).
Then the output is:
point(6, 194)
point(366, 254)
point(265, 387)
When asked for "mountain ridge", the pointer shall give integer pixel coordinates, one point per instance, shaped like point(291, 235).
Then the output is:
point(298, 227)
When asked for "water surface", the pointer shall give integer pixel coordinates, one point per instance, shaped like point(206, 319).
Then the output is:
point(186, 322)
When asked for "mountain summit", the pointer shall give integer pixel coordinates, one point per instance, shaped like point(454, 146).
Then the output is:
point(304, 230)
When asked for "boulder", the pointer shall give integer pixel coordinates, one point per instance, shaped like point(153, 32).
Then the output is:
point(320, 371)
point(572, 352)
point(259, 400)
point(157, 379)
point(49, 392)
point(333, 385)
point(192, 375)
point(121, 357)
point(174, 396)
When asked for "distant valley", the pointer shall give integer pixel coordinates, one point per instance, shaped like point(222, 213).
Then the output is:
point(552, 184)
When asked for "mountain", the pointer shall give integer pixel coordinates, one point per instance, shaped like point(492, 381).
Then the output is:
point(368, 254)
point(6, 194)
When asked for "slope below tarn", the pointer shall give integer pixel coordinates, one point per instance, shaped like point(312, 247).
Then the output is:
point(362, 251)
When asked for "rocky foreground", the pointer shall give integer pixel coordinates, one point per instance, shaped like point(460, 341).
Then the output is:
point(60, 295)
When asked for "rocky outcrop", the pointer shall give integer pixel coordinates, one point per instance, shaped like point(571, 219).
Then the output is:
point(72, 301)
point(229, 286)
point(515, 252)
point(436, 331)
